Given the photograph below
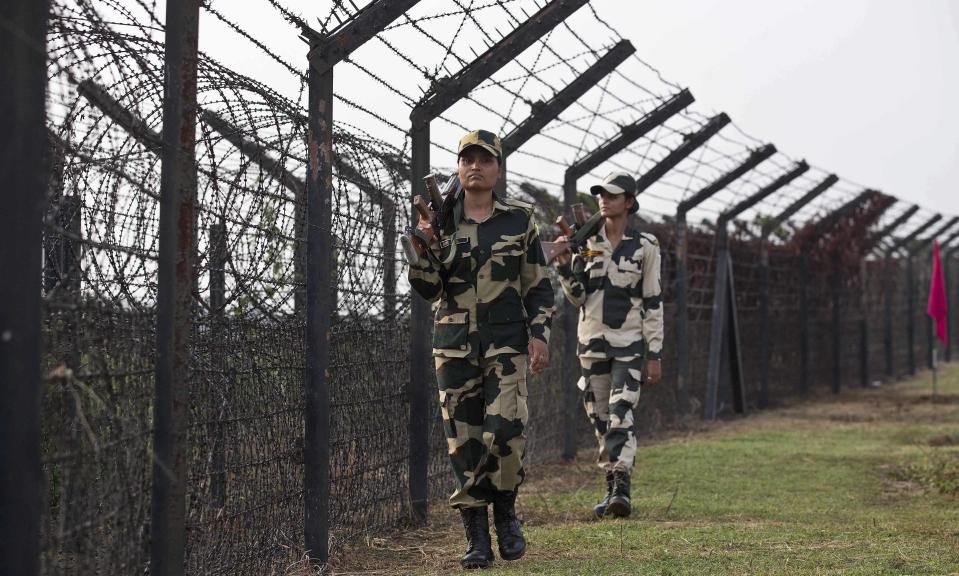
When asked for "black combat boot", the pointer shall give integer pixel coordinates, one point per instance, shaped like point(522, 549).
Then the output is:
point(479, 546)
point(600, 509)
point(619, 503)
point(510, 539)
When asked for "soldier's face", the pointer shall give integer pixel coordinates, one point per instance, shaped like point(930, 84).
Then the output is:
point(613, 205)
point(478, 169)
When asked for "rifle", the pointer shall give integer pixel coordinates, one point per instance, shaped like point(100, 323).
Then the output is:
point(582, 230)
point(437, 212)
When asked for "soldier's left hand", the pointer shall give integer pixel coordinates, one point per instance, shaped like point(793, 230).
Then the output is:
point(654, 372)
point(538, 355)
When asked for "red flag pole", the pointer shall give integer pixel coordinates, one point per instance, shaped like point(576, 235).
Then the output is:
point(938, 309)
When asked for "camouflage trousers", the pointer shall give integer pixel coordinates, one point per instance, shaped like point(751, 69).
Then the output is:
point(484, 411)
point(610, 393)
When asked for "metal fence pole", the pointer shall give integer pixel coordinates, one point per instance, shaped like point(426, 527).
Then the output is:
point(946, 250)
point(682, 258)
point(23, 179)
point(718, 328)
point(174, 289)
point(863, 324)
point(911, 313)
point(570, 360)
point(325, 52)
point(420, 361)
point(721, 311)
point(836, 282)
point(803, 322)
point(765, 330)
point(887, 313)
point(953, 304)
point(906, 242)
point(682, 314)
point(319, 250)
point(218, 257)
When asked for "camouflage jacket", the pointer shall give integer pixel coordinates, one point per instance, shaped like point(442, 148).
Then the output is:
point(619, 293)
point(495, 295)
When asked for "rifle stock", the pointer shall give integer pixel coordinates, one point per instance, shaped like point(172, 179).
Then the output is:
point(577, 236)
point(414, 246)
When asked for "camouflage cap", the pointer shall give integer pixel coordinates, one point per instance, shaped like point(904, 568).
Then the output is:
point(485, 140)
point(618, 183)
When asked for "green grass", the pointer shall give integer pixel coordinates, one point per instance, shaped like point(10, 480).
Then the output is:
point(859, 484)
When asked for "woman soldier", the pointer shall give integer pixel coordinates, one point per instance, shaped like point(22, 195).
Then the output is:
point(486, 272)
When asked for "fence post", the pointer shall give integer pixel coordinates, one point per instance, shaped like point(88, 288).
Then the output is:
point(819, 229)
point(174, 289)
point(325, 52)
point(911, 313)
point(420, 364)
point(23, 179)
point(955, 303)
point(836, 285)
point(319, 249)
point(945, 252)
point(863, 324)
point(803, 321)
point(570, 359)
point(765, 336)
point(765, 348)
point(874, 241)
point(896, 245)
point(218, 243)
point(951, 277)
point(718, 325)
point(721, 320)
point(682, 314)
point(887, 313)
point(682, 258)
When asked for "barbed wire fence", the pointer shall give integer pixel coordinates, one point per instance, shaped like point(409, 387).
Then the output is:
point(306, 418)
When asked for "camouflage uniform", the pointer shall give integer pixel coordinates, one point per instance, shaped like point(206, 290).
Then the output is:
point(621, 325)
point(492, 298)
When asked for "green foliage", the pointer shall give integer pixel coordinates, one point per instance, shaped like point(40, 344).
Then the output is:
point(589, 201)
point(937, 470)
point(779, 231)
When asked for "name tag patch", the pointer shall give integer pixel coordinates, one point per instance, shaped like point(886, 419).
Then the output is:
point(459, 242)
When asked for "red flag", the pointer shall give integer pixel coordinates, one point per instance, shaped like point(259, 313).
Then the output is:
point(937, 307)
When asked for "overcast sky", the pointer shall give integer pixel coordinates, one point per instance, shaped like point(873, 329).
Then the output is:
point(866, 88)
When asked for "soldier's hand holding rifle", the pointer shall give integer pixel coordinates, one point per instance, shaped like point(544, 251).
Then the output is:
point(424, 225)
point(417, 244)
point(572, 239)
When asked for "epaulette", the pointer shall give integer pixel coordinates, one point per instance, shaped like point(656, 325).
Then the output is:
point(649, 238)
point(524, 206)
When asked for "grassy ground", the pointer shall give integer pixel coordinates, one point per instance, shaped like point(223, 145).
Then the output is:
point(863, 483)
